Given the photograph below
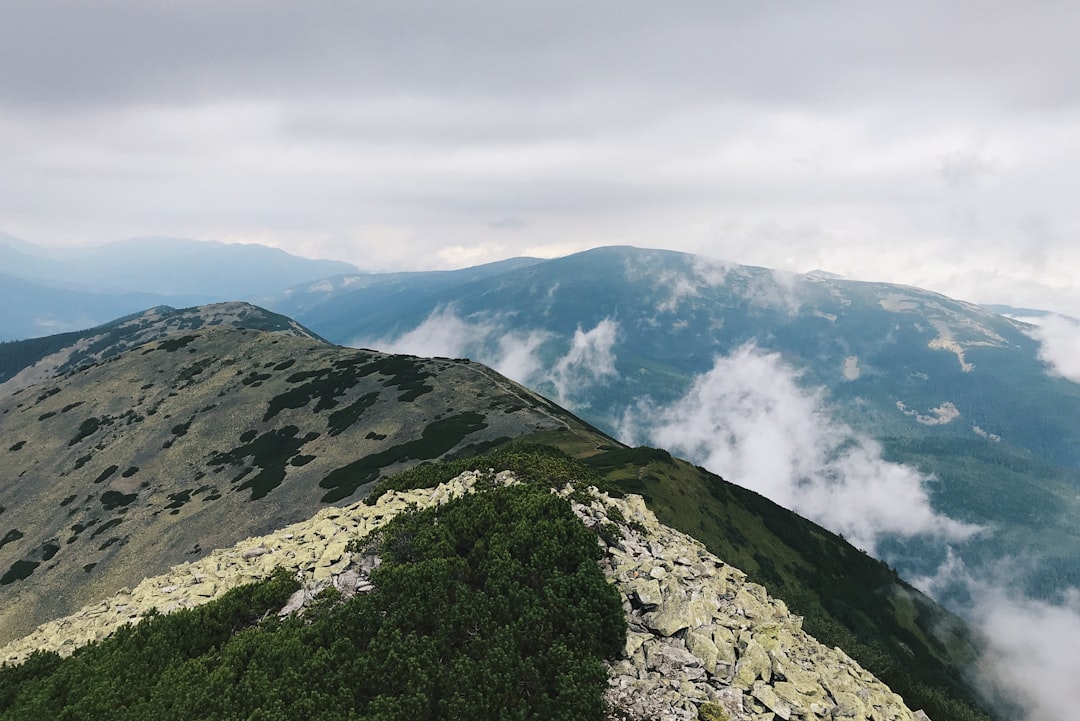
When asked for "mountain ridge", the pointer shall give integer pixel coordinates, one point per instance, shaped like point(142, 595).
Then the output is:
point(210, 421)
point(257, 353)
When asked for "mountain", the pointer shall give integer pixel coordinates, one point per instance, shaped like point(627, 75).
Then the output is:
point(660, 346)
point(192, 441)
point(623, 627)
point(228, 422)
point(29, 309)
point(48, 290)
point(335, 300)
point(24, 363)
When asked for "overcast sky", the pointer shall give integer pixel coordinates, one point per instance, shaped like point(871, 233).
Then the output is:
point(929, 143)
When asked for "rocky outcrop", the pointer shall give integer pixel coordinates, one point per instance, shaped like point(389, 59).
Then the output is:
point(702, 641)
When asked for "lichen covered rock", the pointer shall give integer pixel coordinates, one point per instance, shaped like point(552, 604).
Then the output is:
point(702, 641)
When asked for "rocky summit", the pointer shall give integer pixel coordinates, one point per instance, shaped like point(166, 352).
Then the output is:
point(703, 642)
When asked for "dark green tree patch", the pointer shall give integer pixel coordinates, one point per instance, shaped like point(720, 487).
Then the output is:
point(188, 373)
point(89, 427)
point(112, 523)
point(104, 475)
point(48, 393)
point(270, 453)
point(71, 406)
point(490, 607)
point(181, 429)
point(10, 537)
point(437, 438)
point(20, 570)
point(83, 460)
point(68, 500)
point(327, 385)
point(18, 446)
point(114, 499)
point(88, 567)
point(170, 345)
point(79, 528)
point(343, 419)
point(46, 416)
point(111, 542)
point(49, 549)
point(178, 500)
point(285, 364)
point(373, 436)
point(254, 379)
point(414, 391)
point(131, 471)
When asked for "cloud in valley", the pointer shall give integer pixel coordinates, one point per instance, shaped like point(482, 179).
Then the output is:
point(1060, 344)
point(444, 333)
point(1030, 658)
point(588, 360)
point(748, 420)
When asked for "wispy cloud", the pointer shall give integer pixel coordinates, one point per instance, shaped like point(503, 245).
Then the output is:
point(748, 420)
point(1030, 654)
point(589, 360)
point(1032, 651)
point(1060, 349)
point(774, 289)
point(517, 354)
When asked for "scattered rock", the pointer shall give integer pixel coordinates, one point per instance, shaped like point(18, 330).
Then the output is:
point(703, 642)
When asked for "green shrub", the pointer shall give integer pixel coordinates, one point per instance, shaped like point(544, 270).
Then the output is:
point(491, 606)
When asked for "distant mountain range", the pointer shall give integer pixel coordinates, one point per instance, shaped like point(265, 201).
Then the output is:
point(867, 391)
point(871, 391)
point(50, 290)
point(159, 437)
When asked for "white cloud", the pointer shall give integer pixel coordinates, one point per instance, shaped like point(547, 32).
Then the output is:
point(589, 360)
point(1030, 655)
point(1060, 344)
point(442, 333)
point(775, 289)
point(517, 354)
point(748, 420)
point(679, 287)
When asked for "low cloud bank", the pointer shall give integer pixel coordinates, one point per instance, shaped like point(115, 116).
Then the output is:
point(444, 333)
point(589, 359)
point(1030, 660)
point(1060, 344)
point(748, 420)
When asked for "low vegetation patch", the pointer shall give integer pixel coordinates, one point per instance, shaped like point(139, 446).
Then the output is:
point(530, 462)
point(437, 438)
point(492, 606)
point(270, 452)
